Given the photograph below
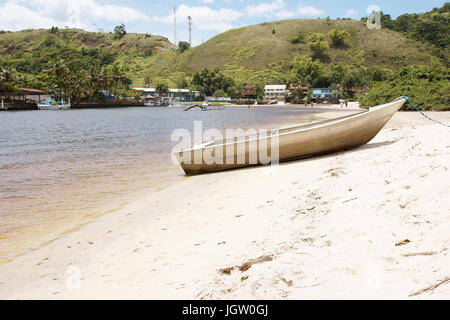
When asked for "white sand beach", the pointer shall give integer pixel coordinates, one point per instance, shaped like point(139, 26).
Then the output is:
point(372, 222)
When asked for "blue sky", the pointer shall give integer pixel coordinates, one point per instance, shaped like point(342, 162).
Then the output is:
point(210, 17)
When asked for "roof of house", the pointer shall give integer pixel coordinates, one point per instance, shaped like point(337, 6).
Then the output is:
point(154, 90)
point(29, 90)
point(275, 86)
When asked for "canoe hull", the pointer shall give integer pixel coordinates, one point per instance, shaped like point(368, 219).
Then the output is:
point(293, 143)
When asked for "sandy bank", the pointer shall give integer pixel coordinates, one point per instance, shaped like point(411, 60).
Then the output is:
point(328, 227)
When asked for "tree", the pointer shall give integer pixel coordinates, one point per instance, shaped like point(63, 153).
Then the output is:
point(54, 30)
point(117, 76)
point(306, 70)
point(120, 31)
point(183, 46)
point(338, 37)
point(61, 75)
point(210, 80)
point(259, 89)
point(162, 89)
point(235, 91)
point(182, 83)
point(338, 72)
point(147, 80)
point(7, 81)
point(299, 38)
point(317, 44)
point(220, 94)
point(148, 52)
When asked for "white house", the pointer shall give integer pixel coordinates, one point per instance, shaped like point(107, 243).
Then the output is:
point(177, 94)
point(275, 92)
point(322, 92)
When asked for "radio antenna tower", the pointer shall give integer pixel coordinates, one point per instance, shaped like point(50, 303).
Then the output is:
point(175, 26)
point(190, 30)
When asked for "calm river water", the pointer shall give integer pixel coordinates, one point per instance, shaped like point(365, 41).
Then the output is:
point(60, 167)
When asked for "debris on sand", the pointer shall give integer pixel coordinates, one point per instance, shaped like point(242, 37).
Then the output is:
point(430, 288)
point(247, 265)
point(402, 243)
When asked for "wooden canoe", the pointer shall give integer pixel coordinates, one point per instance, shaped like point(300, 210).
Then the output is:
point(293, 143)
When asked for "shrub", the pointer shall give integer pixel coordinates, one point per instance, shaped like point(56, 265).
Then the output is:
point(120, 31)
point(427, 87)
point(300, 38)
point(148, 52)
point(317, 44)
point(220, 94)
point(338, 37)
point(183, 46)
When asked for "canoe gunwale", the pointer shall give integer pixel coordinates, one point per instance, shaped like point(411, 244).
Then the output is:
point(298, 142)
point(287, 131)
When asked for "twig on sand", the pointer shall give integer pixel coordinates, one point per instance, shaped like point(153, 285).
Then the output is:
point(313, 285)
point(402, 243)
point(247, 265)
point(420, 254)
point(430, 253)
point(430, 288)
point(289, 283)
point(350, 200)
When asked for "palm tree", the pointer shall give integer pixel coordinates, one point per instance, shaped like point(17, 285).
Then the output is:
point(162, 88)
point(7, 81)
point(117, 76)
point(61, 77)
point(95, 80)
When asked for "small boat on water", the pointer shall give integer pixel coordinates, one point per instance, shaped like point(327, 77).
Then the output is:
point(293, 143)
point(51, 105)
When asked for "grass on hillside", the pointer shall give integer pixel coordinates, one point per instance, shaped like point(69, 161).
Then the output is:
point(251, 53)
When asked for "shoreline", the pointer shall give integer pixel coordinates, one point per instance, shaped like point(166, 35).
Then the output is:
point(327, 227)
point(35, 235)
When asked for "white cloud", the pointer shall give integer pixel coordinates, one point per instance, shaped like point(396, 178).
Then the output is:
point(309, 11)
point(265, 9)
point(284, 14)
point(208, 1)
point(21, 14)
point(351, 13)
point(204, 18)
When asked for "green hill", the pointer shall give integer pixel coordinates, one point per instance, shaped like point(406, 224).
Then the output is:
point(34, 51)
point(432, 27)
point(251, 53)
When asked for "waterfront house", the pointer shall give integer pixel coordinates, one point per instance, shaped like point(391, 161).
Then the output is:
point(298, 87)
point(275, 92)
point(248, 91)
point(30, 95)
point(322, 93)
point(180, 95)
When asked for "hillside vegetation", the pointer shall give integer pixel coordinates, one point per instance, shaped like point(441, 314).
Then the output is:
point(247, 54)
point(35, 52)
point(432, 27)
point(253, 53)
